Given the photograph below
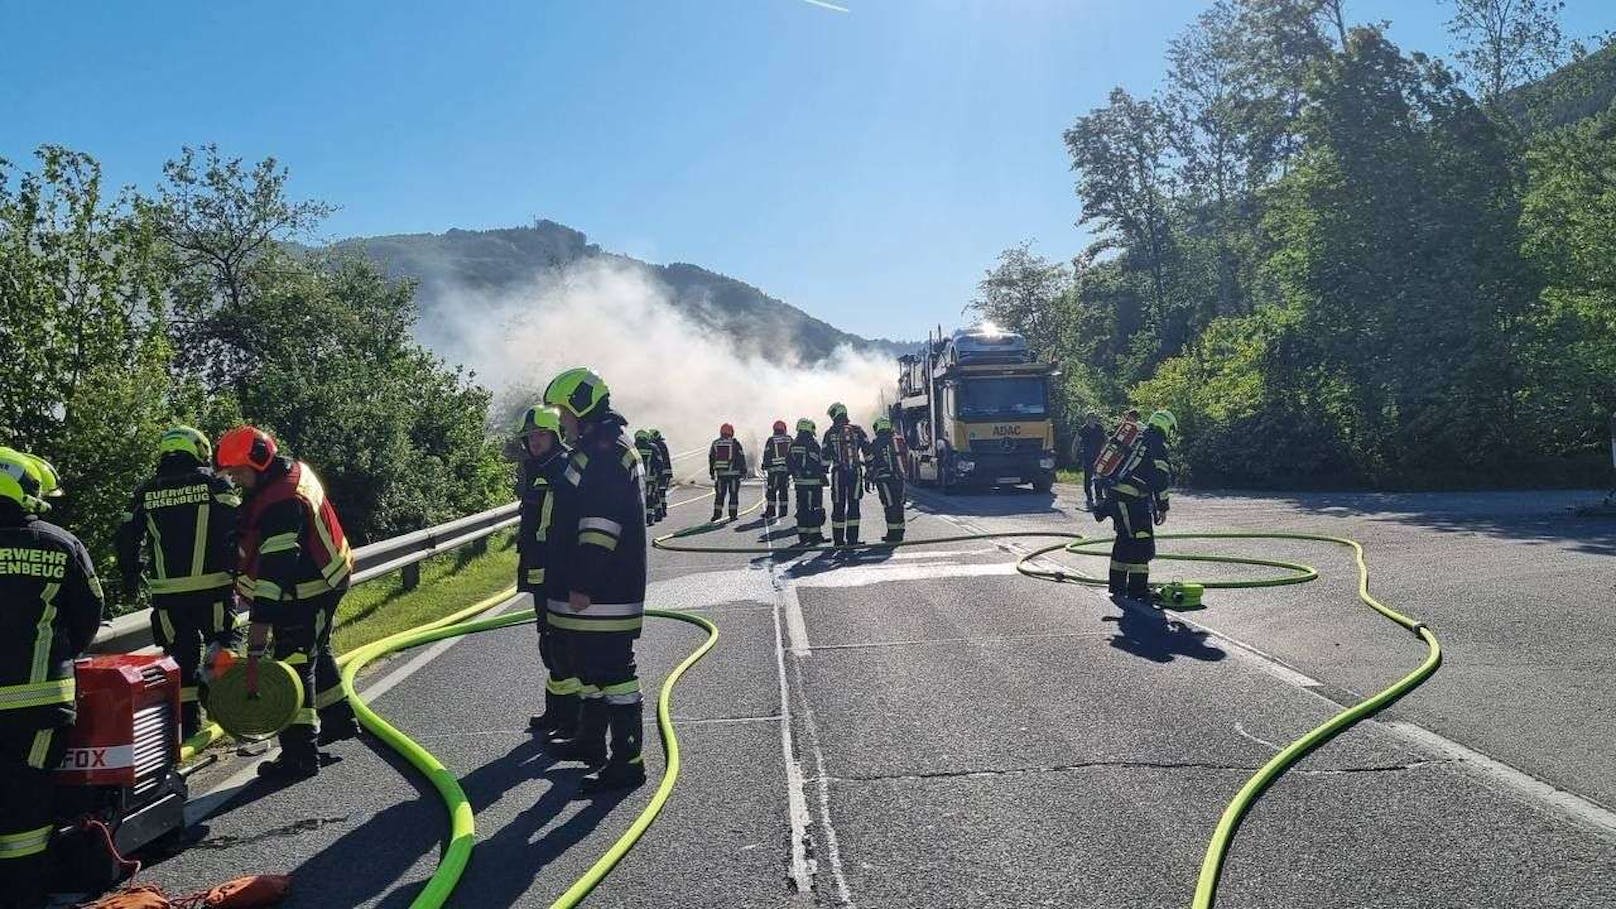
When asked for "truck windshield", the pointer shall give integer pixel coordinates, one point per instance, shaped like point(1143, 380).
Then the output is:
point(983, 398)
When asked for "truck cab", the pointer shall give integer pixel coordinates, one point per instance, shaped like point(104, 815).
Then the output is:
point(974, 411)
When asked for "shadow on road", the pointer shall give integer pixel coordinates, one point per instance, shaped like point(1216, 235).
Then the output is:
point(1147, 632)
point(1534, 516)
point(391, 842)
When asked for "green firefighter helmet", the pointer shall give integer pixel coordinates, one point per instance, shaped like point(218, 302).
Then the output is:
point(186, 440)
point(1164, 421)
point(642, 435)
point(882, 424)
point(50, 482)
point(806, 425)
point(580, 392)
point(539, 416)
point(837, 410)
point(656, 434)
point(19, 478)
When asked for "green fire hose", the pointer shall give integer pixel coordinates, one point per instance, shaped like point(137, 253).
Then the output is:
point(462, 834)
point(1223, 835)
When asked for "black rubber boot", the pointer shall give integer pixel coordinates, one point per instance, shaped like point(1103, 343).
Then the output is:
point(1139, 586)
point(588, 744)
point(716, 516)
point(1117, 582)
point(190, 719)
point(546, 721)
point(298, 759)
point(566, 710)
point(626, 769)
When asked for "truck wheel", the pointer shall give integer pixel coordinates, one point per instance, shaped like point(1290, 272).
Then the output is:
point(1043, 484)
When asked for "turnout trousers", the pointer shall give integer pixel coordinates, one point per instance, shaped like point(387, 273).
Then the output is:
point(304, 643)
point(609, 691)
point(1134, 547)
point(184, 625)
point(810, 512)
point(726, 489)
point(779, 492)
point(846, 488)
point(28, 755)
point(891, 491)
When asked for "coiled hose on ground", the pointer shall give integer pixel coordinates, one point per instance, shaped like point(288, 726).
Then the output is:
point(462, 830)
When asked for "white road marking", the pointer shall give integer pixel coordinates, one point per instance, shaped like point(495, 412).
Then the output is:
point(1485, 768)
point(862, 575)
point(1569, 805)
point(802, 867)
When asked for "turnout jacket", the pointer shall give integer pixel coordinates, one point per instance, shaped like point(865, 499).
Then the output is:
point(650, 458)
point(536, 478)
point(292, 545)
point(50, 608)
point(664, 465)
point(181, 523)
point(805, 461)
point(885, 461)
point(597, 542)
point(1148, 470)
point(777, 453)
point(725, 458)
point(845, 446)
point(1089, 441)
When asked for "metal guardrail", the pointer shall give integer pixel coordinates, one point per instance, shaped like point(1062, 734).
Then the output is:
point(128, 633)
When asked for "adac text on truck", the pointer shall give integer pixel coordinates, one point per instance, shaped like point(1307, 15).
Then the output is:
point(973, 410)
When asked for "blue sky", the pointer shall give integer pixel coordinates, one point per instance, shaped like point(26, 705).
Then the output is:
point(866, 166)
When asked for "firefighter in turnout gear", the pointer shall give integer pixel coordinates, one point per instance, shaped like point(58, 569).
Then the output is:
point(50, 608)
point(807, 466)
point(595, 586)
point(886, 475)
point(726, 464)
point(544, 457)
point(1138, 501)
point(183, 521)
point(649, 456)
point(777, 471)
point(661, 473)
point(844, 447)
point(295, 566)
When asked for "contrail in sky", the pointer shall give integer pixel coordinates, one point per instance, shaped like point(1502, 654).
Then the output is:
point(823, 3)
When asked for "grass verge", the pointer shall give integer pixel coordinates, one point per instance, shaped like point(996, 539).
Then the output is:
point(1067, 475)
point(449, 582)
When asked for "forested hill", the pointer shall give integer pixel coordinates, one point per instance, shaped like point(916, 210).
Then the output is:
point(1572, 93)
point(507, 260)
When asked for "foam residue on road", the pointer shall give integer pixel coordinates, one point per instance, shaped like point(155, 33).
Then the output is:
point(665, 368)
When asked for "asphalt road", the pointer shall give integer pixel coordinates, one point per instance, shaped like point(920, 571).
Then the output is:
point(929, 729)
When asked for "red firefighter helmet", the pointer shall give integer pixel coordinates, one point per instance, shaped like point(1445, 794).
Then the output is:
point(726, 431)
point(245, 446)
point(779, 425)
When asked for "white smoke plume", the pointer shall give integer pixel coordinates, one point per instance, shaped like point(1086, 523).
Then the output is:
point(664, 369)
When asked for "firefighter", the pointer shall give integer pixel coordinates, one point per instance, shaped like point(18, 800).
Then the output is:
point(183, 521)
point(649, 457)
point(777, 470)
point(50, 608)
point(544, 457)
point(1138, 501)
point(663, 472)
point(295, 566)
point(726, 464)
point(886, 476)
point(1086, 447)
point(595, 586)
point(845, 447)
point(807, 466)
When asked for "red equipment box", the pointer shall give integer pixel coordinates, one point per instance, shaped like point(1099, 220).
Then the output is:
point(127, 734)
